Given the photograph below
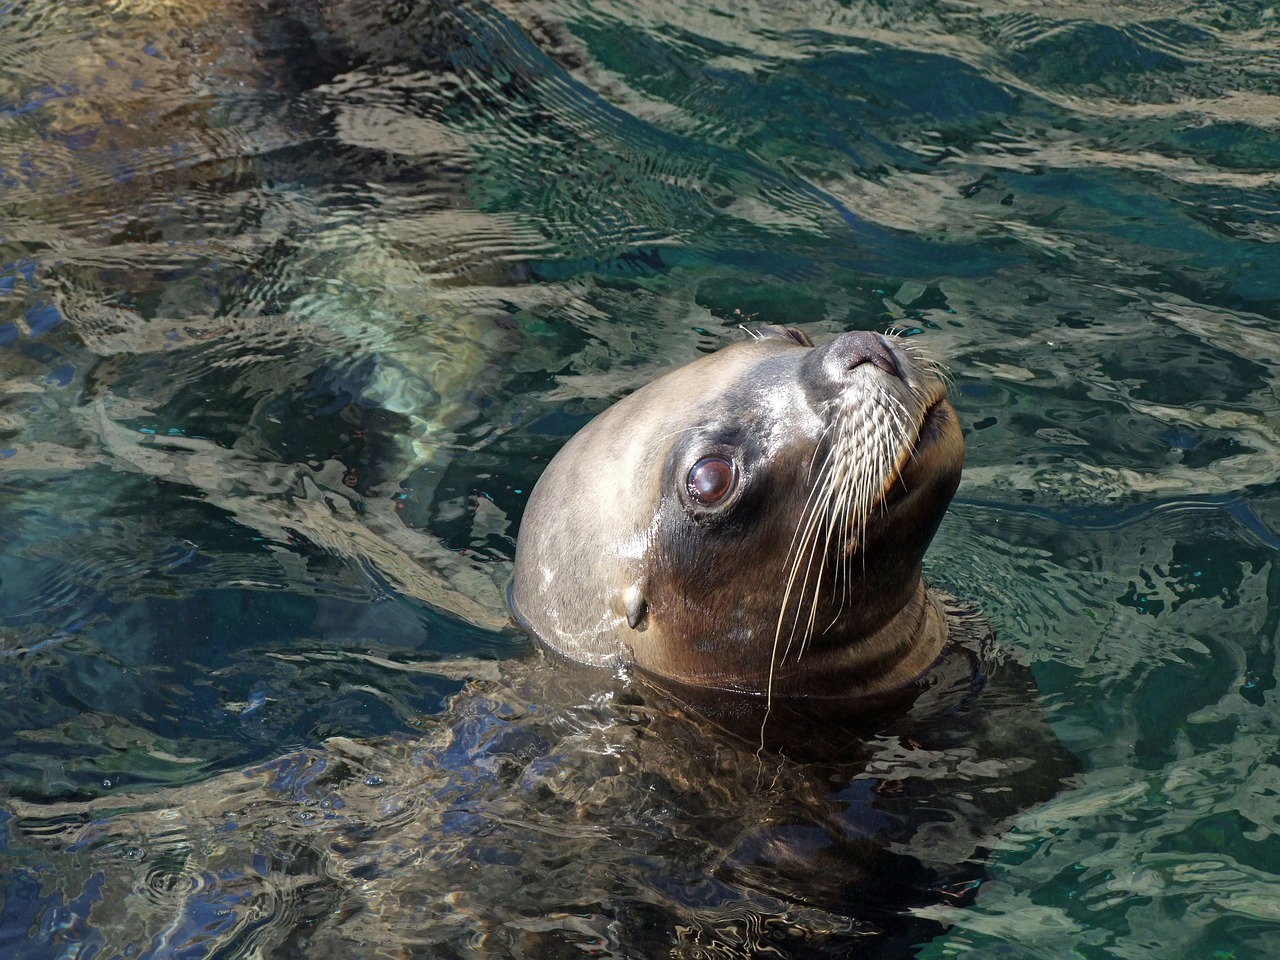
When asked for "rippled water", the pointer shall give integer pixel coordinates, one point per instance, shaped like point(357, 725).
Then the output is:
point(297, 299)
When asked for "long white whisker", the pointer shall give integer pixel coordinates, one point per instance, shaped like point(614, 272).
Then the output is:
point(870, 434)
point(796, 553)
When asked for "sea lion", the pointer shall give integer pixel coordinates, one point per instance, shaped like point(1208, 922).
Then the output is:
point(753, 521)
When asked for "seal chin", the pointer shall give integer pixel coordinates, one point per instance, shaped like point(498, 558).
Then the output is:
point(937, 449)
point(937, 417)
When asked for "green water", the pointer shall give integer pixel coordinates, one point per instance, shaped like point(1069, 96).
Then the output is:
point(296, 300)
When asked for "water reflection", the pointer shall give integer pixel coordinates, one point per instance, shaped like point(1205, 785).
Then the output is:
point(296, 298)
point(546, 810)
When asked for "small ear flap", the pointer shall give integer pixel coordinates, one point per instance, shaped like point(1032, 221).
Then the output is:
point(636, 605)
point(783, 333)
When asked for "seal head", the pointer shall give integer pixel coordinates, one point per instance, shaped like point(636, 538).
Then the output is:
point(754, 521)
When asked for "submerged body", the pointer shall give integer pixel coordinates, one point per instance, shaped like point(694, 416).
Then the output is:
point(752, 522)
point(549, 811)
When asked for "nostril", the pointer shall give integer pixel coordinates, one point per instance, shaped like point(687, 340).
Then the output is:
point(832, 368)
point(854, 349)
point(881, 354)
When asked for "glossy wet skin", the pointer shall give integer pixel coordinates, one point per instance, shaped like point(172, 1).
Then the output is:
point(684, 531)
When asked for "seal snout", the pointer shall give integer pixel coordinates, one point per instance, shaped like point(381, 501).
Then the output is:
point(840, 358)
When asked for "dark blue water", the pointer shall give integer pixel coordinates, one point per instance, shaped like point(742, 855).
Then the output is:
point(297, 299)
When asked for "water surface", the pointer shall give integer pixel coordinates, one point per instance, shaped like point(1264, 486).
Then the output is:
point(297, 299)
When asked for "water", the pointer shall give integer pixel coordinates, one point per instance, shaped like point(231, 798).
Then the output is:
point(297, 299)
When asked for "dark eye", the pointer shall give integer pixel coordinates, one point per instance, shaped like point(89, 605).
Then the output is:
point(710, 480)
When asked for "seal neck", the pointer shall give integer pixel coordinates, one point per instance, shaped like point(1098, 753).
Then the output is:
point(920, 648)
point(827, 698)
point(892, 657)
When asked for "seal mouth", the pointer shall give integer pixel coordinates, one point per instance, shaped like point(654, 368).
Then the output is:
point(886, 444)
point(927, 436)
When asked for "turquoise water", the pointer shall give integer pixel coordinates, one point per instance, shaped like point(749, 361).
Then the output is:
point(296, 300)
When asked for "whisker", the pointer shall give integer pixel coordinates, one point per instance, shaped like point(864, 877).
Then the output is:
point(869, 436)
